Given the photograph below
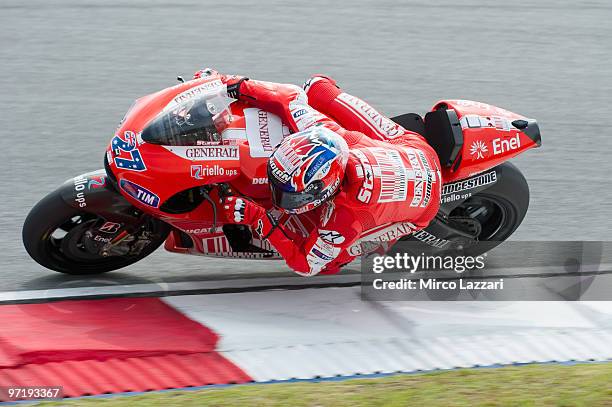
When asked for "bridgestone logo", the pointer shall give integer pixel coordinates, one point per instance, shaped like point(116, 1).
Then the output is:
point(478, 181)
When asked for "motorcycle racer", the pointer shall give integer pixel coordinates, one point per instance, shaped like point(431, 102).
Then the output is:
point(348, 169)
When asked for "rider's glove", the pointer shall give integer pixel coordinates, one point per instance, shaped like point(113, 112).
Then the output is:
point(242, 211)
point(318, 78)
point(233, 85)
point(203, 73)
point(232, 82)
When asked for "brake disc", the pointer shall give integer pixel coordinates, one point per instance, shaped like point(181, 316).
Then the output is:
point(466, 224)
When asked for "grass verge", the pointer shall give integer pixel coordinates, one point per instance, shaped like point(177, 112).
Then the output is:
point(532, 385)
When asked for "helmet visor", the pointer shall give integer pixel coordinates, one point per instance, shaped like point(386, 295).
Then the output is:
point(291, 200)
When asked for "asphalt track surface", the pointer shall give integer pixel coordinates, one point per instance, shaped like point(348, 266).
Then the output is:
point(70, 69)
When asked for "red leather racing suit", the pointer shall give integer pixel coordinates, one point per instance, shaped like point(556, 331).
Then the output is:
point(391, 187)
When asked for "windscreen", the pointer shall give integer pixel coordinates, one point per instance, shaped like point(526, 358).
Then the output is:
point(196, 121)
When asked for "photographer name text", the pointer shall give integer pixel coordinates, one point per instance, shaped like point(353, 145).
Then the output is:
point(435, 284)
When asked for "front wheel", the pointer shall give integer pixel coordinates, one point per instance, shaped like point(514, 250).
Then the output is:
point(65, 239)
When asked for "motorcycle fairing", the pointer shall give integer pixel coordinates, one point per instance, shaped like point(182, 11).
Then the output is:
point(490, 134)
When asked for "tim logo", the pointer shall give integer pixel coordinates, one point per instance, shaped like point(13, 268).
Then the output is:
point(96, 182)
point(110, 227)
point(139, 193)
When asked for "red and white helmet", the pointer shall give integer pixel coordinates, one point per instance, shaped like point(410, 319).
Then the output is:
point(307, 169)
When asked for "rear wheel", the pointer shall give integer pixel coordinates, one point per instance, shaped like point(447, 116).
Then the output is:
point(65, 239)
point(482, 221)
point(493, 215)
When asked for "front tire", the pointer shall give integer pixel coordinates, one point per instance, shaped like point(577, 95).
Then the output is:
point(59, 237)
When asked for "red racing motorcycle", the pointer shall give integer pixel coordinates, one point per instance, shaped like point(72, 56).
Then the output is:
point(165, 171)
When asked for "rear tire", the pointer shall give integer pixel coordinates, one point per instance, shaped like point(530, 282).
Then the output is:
point(499, 210)
point(52, 217)
point(482, 221)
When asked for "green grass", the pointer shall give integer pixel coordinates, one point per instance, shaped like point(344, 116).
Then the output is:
point(534, 385)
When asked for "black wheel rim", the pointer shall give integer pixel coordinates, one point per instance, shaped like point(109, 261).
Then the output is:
point(67, 241)
point(496, 216)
